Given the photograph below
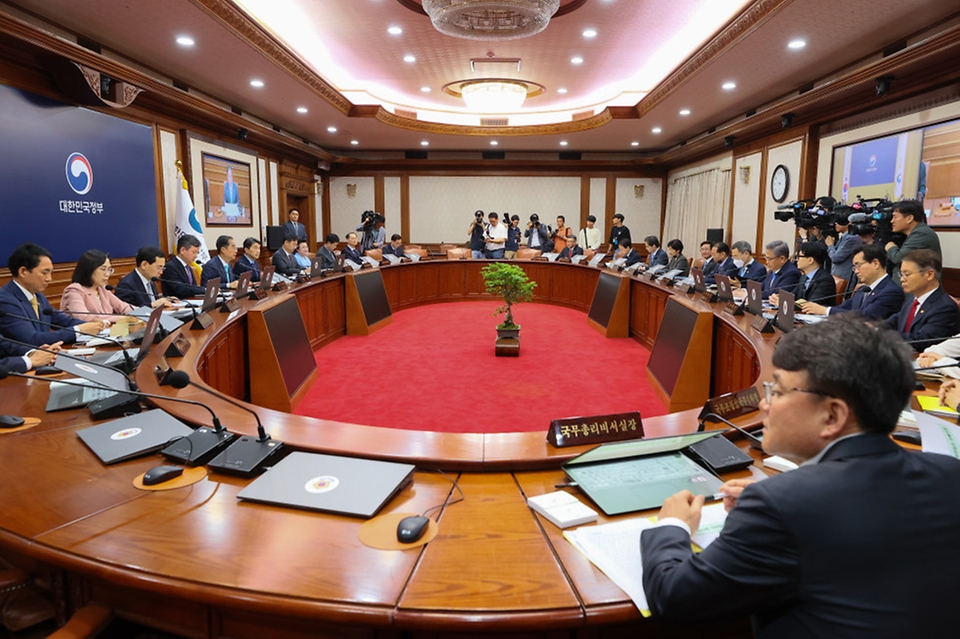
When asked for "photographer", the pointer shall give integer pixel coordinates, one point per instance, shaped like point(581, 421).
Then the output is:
point(537, 236)
point(496, 237)
point(909, 218)
point(374, 235)
point(512, 244)
point(476, 233)
point(842, 249)
point(560, 236)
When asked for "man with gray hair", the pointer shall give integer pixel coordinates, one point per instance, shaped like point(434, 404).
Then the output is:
point(781, 272)
point(747, 267)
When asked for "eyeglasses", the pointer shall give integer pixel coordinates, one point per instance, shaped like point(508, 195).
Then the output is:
point(857, 265)
point(769, 393)
point(108, 271)
point(905, 274)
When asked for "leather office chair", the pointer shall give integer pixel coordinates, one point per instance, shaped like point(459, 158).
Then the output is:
point(376, 254)
point(588, 255)
point(415, 250)
point(526, 253)
point(841, 288)
point(443, 248)
point(458, 253)
point(697, 263)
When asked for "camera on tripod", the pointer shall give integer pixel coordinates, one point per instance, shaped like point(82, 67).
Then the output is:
point(806, 215)
point(369, 218)
point(876, 214)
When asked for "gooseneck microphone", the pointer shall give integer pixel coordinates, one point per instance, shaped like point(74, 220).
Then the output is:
point(248, 455)
point(753, 440)
point(128, 362)
point(161, 331)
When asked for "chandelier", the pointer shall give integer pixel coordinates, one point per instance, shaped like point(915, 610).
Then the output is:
point(490, 19)
point(493, 96)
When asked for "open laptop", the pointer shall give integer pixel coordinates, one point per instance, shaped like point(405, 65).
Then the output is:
point(724, 289)
point(266, 277)
point(149, 334)
point(344, 485)
point(316, 267)
point(102, 382)
point(243, 285)
point(785, 311)
point(132, 436)
point(698, 284)
point(210, 295)
point(754, 297)
point(637, 475)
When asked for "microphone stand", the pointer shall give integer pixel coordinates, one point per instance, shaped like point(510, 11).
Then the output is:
point(753, 440)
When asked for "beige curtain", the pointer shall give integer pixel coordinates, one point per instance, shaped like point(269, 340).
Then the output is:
point(694, 204)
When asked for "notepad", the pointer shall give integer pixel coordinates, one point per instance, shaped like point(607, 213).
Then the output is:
point(931, 404)
point(562, 509)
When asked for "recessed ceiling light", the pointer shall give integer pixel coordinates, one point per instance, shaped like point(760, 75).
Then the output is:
point(729, 86)
point(797, 44)
point(425, 89)
point(590, 33)
point(354, 142)
point(563, 143)
point(634, 143)
point(684, 111)
point(332, 129)
point(394, 30)
point(656, 129)
point(256, 83)
point(494, 143)
point(301, 109)
point(185, 41)
point(409, 58)
point(424, 143)
point(561, 90)
point(576, 60)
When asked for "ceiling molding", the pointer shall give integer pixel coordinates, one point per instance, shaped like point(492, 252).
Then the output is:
point(576, 126)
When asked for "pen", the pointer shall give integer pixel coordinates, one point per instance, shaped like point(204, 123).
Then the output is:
point(716, 497)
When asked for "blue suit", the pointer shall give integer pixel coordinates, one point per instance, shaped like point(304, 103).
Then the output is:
point(754, 271)
point(176, 283)
point(935, 320)
point(213, 269)
point(726, 267)
point(245, 264)
point(295, 228)
point(632, 258)
point(11, 356)
point(709, 268)
point(657, 258)
point(880, 302)
point(389, 250)
point(130, 289)
point(352, 254)
point(786, 278)
point(13, 301)
point(842, 255)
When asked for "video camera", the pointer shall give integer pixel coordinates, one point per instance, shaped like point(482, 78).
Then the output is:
point(874, 213)
point(369, 218)
point(806, 215)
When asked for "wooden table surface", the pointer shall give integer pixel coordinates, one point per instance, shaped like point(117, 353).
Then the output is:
point(198, 562)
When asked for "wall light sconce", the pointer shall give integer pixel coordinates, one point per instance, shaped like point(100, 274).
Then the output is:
point(638, 191)
point(351, 190)
point(745, 174)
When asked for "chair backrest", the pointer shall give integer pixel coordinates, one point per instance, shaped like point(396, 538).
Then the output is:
point(446, 247)
point(415, 250)
point(458, 253)
point(527, 253)
point(841, 287)
point(376, 254)
point(698, 263)
point(407, 247)
point(588, 254)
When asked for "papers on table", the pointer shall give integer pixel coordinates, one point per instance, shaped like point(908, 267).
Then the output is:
point(950, 369)
point(712, 518)
point(938, 436)
point(807, 318)
point(372, 262)
point(552, 257)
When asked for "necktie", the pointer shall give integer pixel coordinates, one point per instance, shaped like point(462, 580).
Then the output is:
point(189, 274)
point(226, 272)
point(864, 292)
point(153, 292)
point(36, 306)
point(806, 284)
point(773, 278)
point(743, 271)
point(913, 313)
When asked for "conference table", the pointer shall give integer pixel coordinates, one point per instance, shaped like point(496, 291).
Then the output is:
point(197, 562)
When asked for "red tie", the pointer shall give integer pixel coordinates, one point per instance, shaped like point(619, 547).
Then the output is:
point(913, 313)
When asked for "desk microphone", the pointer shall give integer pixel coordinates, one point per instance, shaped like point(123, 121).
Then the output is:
point(753, 440)
point(63, 353)
point(161, 331)
point(247, 456)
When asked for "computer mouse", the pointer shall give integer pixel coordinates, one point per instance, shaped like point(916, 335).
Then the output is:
point(10, 421)
point(410, 529)
point(160, 474)
point(46, 370)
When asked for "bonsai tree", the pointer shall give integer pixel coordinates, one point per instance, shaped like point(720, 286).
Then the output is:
point(510, 282)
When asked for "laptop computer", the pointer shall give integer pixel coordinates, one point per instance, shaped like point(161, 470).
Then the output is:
point(785, 311)
point(243, 285)
point(210, 295)
point(724, 289)
point(343, 485)
point(128, 437)
point(754, 297)
point(101, 382)
point(698, 284)
point(637, 475)
point(266, 277)
point(149, 334)
point(316, 267)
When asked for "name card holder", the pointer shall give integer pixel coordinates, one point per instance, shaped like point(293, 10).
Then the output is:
point(280, 286)
point(595, 429)
point(162, 372)
point(709, 297)
point(733, 308)
point(733, 404)
point(178, 347)
point(257, 294)
point(762, 324)
point(201, 322)
point(229, 305)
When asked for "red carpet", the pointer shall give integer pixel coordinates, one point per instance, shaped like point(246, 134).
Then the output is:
point(434, 368)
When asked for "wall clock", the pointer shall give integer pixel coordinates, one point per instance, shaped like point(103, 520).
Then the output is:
point(780, 183)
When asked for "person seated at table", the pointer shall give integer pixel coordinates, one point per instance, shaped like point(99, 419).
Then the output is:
point(351, 251)
point(628, 254)
point(808, 553)
point(283, 260)
point(816, 284)
point(572, 249)
point(249, 261)
point(302, 255)
point(678, 261)
point(781, 272)
point(86, 297)
point(138, 287)
point(928, 315)
point(20, 359)
point(724, 263)
point(178, 276)
point(878, 298)
point(656, 256)
point(220, 264)
point(328, 259)
point(395, 247)
point(709, 265)
point(22, 299)
point(747, 267)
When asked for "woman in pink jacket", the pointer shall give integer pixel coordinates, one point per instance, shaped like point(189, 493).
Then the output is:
point(88, 294)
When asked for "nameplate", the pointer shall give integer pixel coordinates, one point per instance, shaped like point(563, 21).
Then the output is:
point(201, 321)
point(733, 404)
point(761, 324)
point(258, 294)
point(178, 347)
point(280, 286)
point(229, 305)
point(595, 429)
point(733, 308)
point(162, 372)
point(708, 296)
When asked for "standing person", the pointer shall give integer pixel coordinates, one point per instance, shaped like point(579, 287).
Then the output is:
point(909, 218)
point(807, 552)
point(561, 234)
point(476, 233)
point(87, 297)
point(618, 233)
point(293, 225)
point(512, 245)
point(138, 287)
point(536, 235)
point(589, 237)
point(496, 237)
point(250, 260)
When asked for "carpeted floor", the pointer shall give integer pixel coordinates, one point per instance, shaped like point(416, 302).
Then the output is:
point(434, 368)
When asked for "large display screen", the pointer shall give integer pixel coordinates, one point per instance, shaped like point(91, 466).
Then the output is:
point(72, 179)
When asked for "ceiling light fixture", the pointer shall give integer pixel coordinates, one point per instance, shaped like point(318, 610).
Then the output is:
point(563, 143)
point(354, 142)
point(634, 143)
point(490, 19)
point(561, 90)
point(256, 84)
point(797, 44)
point(493, 96)
point(425, 89)
point(424, 143)
point(185, 41)
point(684, 111)
point(590, 33)
point(409, 58)
point(729, 86)
point(394, 30)
point(332, 129)
point(576, 60)
point(656, 130)
point(494, 143)
point(301, 109)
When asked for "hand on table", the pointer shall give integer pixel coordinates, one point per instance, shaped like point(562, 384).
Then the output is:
point(685, 507)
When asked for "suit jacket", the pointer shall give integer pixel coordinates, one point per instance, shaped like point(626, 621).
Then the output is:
point(245, 264)
point(726, 267)
point(545, 244)
point(389, 250)
point(327, 259)
point(12, 300)
point(352, 254)
point(679, 262)
point(567, 253)
point(632, 258)
point(786, 279)
point(213, 269)
point(80, 302)
point(11, 356)
point(709, 268)
point(176, 283)
point(808, 552)
point(298, 229)
point(131, 290)
point(841, 255)
point(285, 264)
point(822, 287)
point(879, 303)
point(657, 258)
point(935, 320)
point(754, 271)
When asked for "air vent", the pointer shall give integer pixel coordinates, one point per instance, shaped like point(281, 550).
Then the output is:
point(495, 67)
point(494, 155)
point(570, 155)
point(583, 115)
point(404, 113)
point(415, 155)
point(494, 121)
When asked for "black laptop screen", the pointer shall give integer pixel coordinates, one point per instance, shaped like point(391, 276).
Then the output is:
point(669, 349)
point(290, 342)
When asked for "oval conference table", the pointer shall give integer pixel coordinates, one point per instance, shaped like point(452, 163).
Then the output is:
point(197, 562)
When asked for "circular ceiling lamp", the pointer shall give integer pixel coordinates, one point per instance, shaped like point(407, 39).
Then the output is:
point(493, 95)
point(490, 19)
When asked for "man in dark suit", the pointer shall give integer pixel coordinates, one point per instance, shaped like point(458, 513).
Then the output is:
point(138, 287)
point(747, 267)
point(284, 260)
point(328, 259)
point(249, 261)
point(31, 268)
point(709, 265)
point(629, 255)
point(293, 226)
point(724, 263)
point(656, 256)
point(808, 552)
point(178, 276)
point(220, 264)
point(781, 272)
point(878, 298)
point(20, 359)
point(395, 246)
point(928, 315)
point(816, 284)
point(571, 249)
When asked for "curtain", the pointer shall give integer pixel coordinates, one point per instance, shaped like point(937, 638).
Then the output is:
point(694, 204)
